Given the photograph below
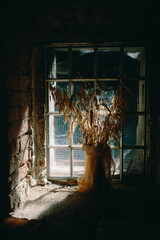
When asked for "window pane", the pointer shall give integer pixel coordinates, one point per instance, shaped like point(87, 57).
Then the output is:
point(57, 130)
point(77, 136)
point(134, 131)
point(107, 90)
point(108, 62)
point(59, 162)
point(63, 86)
point(83, 62)
point(57, 62)
point(87, 86)
point(133, 161)
point(134, 62)
point(78, 162)
point(116, 158)
point(114, 143)
point(137, 100)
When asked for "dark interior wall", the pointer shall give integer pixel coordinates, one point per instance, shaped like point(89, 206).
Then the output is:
point(19, 101)
point(19, 129)
point(26, 27)
point(154, 88)
point(3, 135)
point(16, 158)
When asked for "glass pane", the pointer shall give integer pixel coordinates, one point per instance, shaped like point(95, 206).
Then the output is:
point(107, 89)
point(134, 131)
point(63, 86)
point(137, 100)
point(87, 86)
point(108, 62)
point(133, 161)
point(115, 142)
point(83, 62)
point(59, 162)
point(57, 130)
point(77, 136)
point(57, 63)
point(78, 162)
point(116, 159)
point(134, 62)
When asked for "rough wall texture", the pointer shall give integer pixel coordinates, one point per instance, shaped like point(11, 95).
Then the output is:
point(26, 138)
point(19, 122)
point(38, 113)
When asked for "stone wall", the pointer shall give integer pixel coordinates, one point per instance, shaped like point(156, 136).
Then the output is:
point(19, 103)
point(38, 114)
point(26, 121)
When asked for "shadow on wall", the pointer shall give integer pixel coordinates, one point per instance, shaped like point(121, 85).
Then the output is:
point(19, 102)
point(24, 77)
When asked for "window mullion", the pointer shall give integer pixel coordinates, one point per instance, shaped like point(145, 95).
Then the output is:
point(121, 138)
point(95, 62)
point(70, 93)
point(71, 159)
point(95, 66)
point(46, 116)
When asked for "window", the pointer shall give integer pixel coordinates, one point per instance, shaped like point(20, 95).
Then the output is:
point(69, 66)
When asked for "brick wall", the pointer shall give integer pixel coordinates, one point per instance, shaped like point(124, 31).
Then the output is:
point(26, 122)
point(19, 80)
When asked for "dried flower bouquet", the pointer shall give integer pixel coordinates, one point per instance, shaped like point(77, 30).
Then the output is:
point(100, 121)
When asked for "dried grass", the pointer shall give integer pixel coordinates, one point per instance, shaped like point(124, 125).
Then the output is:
point(100, 120)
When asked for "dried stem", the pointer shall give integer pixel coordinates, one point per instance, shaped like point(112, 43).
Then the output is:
point(100, 120)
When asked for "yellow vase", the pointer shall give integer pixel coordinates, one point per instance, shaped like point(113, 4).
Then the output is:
point(99, 168)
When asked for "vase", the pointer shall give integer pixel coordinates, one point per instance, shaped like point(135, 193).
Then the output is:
point(99, 169)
